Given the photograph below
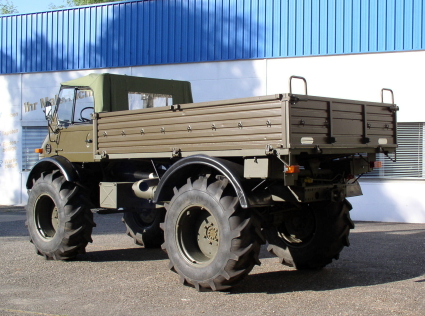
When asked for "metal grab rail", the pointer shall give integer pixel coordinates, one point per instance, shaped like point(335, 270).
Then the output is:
point(382, 95)
point(297, 77)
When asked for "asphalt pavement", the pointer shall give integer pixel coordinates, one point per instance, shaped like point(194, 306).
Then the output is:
point(381, 273)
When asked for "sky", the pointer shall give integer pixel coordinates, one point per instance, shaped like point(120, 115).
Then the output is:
point(30, 6)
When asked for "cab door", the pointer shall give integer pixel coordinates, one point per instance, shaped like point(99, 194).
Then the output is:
point(75, 134)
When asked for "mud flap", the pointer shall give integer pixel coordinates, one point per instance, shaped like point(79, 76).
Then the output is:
point(353, 189)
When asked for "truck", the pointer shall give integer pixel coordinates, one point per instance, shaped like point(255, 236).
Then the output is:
point(209, 182)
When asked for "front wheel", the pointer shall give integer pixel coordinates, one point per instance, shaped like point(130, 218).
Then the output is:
point(59, 220)
point(211, 242)
point(313, 236)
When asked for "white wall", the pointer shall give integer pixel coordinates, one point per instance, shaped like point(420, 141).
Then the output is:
point(214, 81)
point(390, 201)
point(10, 139)
point(358, 77)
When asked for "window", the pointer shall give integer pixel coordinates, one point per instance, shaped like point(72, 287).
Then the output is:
point(65, 106)
point(410, 155)
point(141, 100)
point(32, 138)
point(84, 106)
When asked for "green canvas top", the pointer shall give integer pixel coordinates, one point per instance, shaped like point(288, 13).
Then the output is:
point(111, 91)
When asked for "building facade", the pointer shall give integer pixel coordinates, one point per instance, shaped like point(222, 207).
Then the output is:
point(226, 49)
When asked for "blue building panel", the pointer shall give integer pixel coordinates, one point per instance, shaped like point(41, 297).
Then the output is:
point(382, 22)
point(408, 23)
point(284, 9)
point(373, 26)
point(315, 29)
point(149, 32)
point(418, 13)
point(299, 28)
point(324, 30)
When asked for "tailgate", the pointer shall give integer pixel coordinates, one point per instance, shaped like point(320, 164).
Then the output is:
point(339, 123)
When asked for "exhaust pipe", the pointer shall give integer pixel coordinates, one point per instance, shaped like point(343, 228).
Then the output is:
point(145, 189)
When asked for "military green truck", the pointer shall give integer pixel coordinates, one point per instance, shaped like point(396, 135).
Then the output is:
point(208, 182)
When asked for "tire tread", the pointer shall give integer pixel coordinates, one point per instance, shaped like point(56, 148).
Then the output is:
point(324, 248)
point(75, 232)
point(246, 237)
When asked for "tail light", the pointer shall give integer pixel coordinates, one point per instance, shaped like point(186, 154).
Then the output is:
point(376, 164)
point(292, 169)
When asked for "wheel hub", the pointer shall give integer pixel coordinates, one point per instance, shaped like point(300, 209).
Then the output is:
point(146, 216)
point(298, 229)
point(46, 216)
point(55, 218)
point(198, 235)
point(211, 233)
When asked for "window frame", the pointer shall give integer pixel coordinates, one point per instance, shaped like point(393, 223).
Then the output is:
point(169, 99)
point(75, 104)
point(76, 89)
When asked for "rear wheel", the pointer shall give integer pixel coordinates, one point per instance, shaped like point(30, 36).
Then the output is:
point(143, 227)
point(211, 242)
point(59, 220)
point(313, 236)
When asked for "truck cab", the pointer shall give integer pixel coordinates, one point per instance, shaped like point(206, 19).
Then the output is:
point(71, 118)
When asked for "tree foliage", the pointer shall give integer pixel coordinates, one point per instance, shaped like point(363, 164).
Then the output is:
point(7, 7)
point(86, 2)
point(76, 3)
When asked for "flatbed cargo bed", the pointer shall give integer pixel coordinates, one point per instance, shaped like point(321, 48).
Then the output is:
point(288, 122)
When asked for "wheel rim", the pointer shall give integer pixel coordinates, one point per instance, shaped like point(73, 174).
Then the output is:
point(46, 217)
point(300, 229)
point(198, 235)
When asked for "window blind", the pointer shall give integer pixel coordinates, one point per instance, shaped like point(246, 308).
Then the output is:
point(32, 138)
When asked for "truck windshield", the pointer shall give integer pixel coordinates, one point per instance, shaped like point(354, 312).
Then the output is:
point(75, 106)
point(65, 106)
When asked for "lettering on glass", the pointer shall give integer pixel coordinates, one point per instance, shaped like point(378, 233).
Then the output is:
point(29, 107)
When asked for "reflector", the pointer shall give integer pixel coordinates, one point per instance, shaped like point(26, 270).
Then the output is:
point(293, 169)
point(376, 164)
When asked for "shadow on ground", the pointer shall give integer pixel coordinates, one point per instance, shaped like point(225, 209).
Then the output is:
point(129, 254)
point(384, 253)
point(373, 258)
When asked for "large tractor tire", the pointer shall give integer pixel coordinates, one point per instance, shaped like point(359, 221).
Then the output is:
point(143, 227)
point(313, 236)
point(212, 243)
point(59, 219)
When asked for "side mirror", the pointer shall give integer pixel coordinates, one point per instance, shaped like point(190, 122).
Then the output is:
point(48, 111)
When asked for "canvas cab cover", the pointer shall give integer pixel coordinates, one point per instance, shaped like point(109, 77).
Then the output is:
point(114, 92)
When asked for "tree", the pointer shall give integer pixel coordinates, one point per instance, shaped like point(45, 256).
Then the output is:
point(7, 7)
point(76, 3)
point(86, 2)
